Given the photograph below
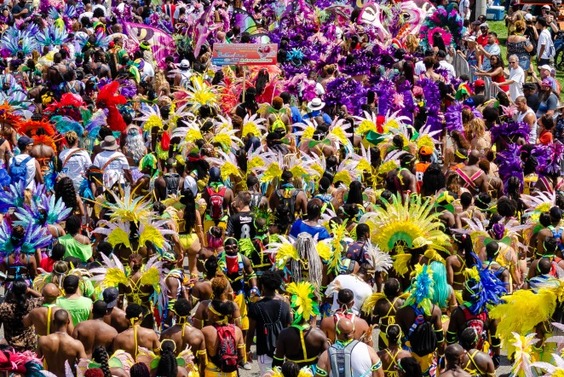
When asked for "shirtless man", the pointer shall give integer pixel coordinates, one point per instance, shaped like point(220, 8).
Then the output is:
point(5, 151)
point(454, 355)
point(44, 154)
point(185, 335)
point(363, 358)
point(384, 311)
point(114, 317)
point(136, 335)
point(472, 177)
point(59, 347)
point(362, 332)
point(95, 332)
point(42, 318)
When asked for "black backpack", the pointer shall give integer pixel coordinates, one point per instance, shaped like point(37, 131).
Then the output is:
point(172, 181)
point(271, 328)
point(422, 335)
point(286, 208)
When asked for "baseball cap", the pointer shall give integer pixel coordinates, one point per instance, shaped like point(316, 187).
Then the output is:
point(470, 38)
point(425, 150)
point(479, 83)
point(545, 66)
point(485, 24)
point(528, 17)
point(546, 7)
point(24, 141)
point(110, 296)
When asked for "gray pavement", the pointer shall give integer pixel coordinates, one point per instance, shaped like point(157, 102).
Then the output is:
point(502, 371)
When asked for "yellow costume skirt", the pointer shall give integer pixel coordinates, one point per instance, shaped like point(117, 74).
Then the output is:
point(426, 362)
point(213, 371)
point(189, 242)
point(240, 301)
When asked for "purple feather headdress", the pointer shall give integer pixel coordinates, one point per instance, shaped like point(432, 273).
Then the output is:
point(385, 90)
point(432, 96)
point(510, 164)
point(551, 166)
point(512, 130)
point(453, 117)
point(346, 91)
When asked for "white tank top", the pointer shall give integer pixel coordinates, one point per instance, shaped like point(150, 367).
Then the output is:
point(533, 133)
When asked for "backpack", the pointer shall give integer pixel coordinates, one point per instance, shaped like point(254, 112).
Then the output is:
point(227, 351)
point(216, 202)
point(287, 204)
point(271, 328)
point(341, 359)
point(477, 322)
point(172, 181)
point(18, 171)
point(422, 335)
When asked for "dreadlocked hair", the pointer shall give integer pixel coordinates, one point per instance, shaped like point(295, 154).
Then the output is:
point(308, 254)
point(64, 189)
point(100, 355)
point(168, 365)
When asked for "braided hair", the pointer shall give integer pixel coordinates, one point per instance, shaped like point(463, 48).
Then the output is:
point(168, 365)
point(18, 297)
point(64, 189)
point(100, 355)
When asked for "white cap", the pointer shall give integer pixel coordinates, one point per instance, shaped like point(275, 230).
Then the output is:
point(191, 184)
point(528, 17)
point(485, 24)
point(545, 66)
point(185, 64)
point(546, 7)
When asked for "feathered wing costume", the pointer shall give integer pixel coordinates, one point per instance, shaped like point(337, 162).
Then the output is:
point(133, 219)
point(109, 98)
point(48, 211)
point(404, 226)
point(114, 274)
point(34, 237)
point(523, 310)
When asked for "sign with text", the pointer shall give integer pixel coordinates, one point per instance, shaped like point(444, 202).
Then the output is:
point(244, 53)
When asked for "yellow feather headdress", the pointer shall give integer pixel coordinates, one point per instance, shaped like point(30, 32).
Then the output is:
point(400, 224)
point(302, 301)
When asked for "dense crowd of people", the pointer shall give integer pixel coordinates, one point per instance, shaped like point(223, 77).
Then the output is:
point(385, 200)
